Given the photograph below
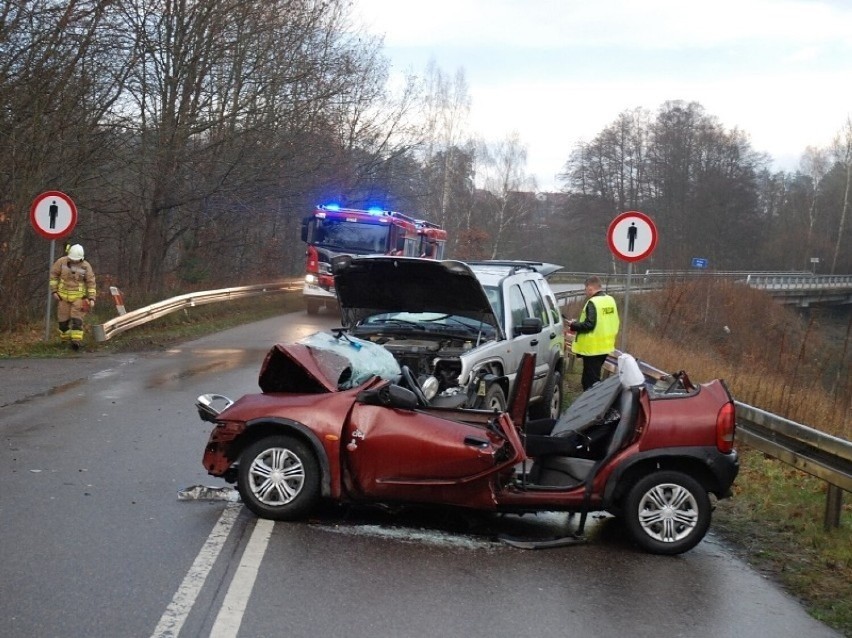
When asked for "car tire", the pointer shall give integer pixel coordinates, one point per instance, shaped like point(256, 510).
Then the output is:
point(494, 399)
point(279, 478)
point(550, 406)
point(667, 512)
point(313, 307)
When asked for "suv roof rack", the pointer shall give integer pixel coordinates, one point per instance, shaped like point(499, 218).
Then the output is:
point(518, 265)
point(514, 264)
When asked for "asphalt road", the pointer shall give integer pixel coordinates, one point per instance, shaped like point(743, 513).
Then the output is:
point(95, 541)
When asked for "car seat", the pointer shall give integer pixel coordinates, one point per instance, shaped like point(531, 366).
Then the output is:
point(559, 469)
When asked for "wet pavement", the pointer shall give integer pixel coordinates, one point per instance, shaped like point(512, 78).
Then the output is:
point(23, 379)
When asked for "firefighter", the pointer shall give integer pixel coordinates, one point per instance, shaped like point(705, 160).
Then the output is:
point(72, 284)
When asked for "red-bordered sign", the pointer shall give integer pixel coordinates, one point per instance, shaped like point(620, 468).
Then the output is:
point(632, 236)
point(53, 215)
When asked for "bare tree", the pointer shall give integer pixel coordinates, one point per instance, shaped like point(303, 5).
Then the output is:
point(843, 152)
point(446, 151)
point(814, 164)
point(502, 170)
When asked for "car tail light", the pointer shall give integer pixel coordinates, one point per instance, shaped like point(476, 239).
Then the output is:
point(726, 423)
point(312, 265)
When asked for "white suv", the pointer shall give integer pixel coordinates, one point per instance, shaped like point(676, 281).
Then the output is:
point(459, 329)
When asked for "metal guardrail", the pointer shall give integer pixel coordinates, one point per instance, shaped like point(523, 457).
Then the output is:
point(800, 288)
point(134, 318)
point(822, 455)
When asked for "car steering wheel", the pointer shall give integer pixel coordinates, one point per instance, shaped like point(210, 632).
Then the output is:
point(412, 383)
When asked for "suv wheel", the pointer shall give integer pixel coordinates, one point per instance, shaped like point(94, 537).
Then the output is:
point(494, 399)
point(550, 406)
point(667, 512)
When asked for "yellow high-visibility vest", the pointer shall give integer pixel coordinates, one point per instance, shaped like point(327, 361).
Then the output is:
point(601, 340)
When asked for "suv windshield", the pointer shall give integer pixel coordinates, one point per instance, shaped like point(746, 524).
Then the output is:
point(443, 323)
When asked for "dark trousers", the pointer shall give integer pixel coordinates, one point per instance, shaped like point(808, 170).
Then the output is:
point(592, 365)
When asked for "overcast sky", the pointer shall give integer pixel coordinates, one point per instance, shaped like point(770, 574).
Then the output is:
point(558, 71)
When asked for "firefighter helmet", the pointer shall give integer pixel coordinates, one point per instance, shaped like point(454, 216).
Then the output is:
point(75, 253)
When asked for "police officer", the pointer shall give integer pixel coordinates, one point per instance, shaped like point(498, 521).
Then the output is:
point(596, 331)
point(72, 284)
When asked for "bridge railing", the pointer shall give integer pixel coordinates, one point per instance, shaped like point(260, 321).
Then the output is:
point(799, 281)
point(771, 279)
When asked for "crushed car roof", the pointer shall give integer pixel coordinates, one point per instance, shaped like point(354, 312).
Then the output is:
point(322, 362)
point(372, 285)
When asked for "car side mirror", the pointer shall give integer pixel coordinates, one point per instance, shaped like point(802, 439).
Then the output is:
point(529, 326)
point(390, 395)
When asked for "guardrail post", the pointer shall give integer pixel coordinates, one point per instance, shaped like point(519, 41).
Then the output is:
point(119, 300)
point(833, 506)
point(98, 332)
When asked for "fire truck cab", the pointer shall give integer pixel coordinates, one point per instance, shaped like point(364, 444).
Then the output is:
point(330, 231)
point(432, 239)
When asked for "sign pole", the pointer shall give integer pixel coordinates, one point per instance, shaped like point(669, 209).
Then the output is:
point(49, 294)
point(623, 345)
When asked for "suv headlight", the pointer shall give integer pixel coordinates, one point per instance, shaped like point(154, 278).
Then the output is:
point(430, 387)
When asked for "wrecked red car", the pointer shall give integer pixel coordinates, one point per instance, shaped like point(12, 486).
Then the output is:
point(337, 418)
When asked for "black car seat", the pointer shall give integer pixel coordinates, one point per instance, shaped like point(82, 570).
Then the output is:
point(568, 471)
point(562, 470)
point(577, 431)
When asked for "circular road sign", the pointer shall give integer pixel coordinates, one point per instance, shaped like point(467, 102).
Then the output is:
point(632, 236)
point(53, 215)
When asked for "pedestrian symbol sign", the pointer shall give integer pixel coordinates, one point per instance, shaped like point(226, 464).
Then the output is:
point(53, 215)
point(632, 236)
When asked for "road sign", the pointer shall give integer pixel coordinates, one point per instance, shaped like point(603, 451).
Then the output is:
point(53, 215)
point(632, 236)
point(699, 262)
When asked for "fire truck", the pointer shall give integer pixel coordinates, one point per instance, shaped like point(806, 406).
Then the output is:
point(330, 231)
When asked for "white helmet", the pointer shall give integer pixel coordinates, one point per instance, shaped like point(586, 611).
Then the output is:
point(75, 253)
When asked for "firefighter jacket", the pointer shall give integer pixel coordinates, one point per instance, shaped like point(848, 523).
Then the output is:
point(72, 280)
point(597, 326)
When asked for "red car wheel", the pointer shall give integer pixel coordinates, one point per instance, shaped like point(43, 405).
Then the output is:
point(279, 478)
point(667, 512)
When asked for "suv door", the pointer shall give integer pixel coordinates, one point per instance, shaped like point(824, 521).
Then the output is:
point(540, 343)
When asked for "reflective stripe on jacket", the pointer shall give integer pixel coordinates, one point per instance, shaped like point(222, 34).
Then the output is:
point(601, 340)
point(72, 281)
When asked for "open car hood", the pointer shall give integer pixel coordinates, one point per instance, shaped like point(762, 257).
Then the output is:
point(372, 285)
point(322, 362)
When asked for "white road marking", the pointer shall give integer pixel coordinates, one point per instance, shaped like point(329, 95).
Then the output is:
point(176, 613)
point(234, 606)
